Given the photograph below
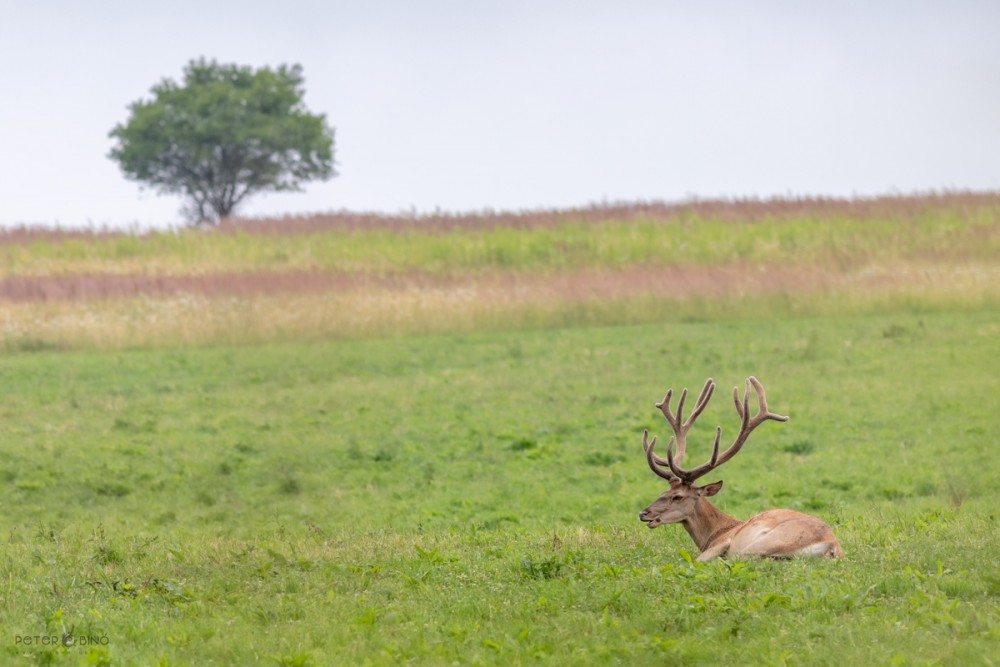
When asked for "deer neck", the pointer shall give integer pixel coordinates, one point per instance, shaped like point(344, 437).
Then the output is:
point(707, 523)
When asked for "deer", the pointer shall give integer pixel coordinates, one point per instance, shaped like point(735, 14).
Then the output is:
point(779, 533)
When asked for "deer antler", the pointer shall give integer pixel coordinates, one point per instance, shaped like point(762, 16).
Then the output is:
point(680, 428)
point(673, 472)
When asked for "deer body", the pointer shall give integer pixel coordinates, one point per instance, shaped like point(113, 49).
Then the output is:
point(780, 533)
point(773, 534)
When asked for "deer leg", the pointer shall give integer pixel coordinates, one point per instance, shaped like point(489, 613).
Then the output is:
point(714, 551)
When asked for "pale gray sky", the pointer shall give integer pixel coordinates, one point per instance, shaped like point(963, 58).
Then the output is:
point(468, 105)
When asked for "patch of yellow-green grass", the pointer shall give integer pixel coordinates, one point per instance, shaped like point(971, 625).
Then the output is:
point(941, 233)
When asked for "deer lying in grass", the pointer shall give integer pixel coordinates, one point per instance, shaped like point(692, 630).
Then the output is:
point(773, 534)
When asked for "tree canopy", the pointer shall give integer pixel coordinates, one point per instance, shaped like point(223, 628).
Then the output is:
point(225, 133)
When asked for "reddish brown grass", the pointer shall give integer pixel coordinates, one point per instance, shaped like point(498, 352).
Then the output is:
point(734, 210)
point(731, 280)
point(730, 210)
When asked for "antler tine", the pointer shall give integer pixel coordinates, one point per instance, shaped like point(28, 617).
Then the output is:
point(647, 447)
point(654, 460)
point(748, 424)
point(745, 407)
point(660, 461)
point(762, 402)
point(715, 447)
point(664, 407)
point(703, 399)
point(666, 399)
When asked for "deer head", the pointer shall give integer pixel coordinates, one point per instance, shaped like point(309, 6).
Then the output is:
point(683, 499)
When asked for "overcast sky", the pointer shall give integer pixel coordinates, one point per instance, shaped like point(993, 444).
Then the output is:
point(469, 105)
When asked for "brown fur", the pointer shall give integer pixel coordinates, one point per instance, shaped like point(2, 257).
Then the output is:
point(772, 534)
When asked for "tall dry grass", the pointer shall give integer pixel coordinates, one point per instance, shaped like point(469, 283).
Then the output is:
point(500, 304)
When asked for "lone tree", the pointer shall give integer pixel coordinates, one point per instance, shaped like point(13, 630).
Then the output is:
point(226, 133)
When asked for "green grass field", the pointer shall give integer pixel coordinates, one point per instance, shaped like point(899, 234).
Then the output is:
point(467, 494)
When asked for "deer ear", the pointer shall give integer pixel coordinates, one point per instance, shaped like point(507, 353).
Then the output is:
point(710, 489)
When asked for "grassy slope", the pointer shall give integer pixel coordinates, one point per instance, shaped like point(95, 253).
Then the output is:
point(472, 498)
point(933, 230)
